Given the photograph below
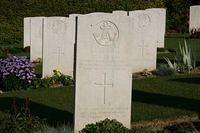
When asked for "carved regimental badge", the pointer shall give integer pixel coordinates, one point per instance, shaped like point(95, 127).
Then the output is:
point(105, 33)
point(144, 21)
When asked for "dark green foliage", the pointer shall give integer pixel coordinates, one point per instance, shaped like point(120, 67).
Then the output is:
point(181, 128)
point(20, 120)
point(11, 83)
point(105, 126)
point(59, 78)
point(5, 51)
point(56, 79)
point(153, 98)
point(12, 12)
point(178, 14)
point(164, 70)
point(40, 83)
point(162, 50)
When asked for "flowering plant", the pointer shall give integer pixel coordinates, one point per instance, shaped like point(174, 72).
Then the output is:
point(59, 78)
point(21, 67)
point(16, 67)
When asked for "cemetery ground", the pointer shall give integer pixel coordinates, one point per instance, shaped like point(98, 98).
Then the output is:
point(154, 98)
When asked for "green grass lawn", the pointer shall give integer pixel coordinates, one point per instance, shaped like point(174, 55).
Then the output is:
point(153, 98)
point(172, 44)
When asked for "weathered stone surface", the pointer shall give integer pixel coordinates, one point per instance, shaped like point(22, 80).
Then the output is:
point(103, 72)
point(27, 31)
point(36, 38)
point(58, 45)
point(194, 17)
point(158, 16)
point(144, 48)
point(120, 13)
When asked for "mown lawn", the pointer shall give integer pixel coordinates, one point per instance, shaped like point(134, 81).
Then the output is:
point(172, 44)
point(153, 98)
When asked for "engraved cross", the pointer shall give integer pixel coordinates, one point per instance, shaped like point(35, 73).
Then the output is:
point(143, 46)
point(104, 84)
point(59, 53)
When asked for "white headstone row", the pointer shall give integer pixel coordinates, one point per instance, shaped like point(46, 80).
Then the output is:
point(194, 23)
point(149, 33)
point(109, 47)
point(54, 45)
point(33, 36)
point(52, 40)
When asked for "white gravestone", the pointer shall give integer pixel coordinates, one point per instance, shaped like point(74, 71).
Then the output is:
point(103, 72)
point(194, 17)
point(58, 47)
point(158, 16)
point(27, 31)
point(120, 13)
point(36, 38)
point(74, 15)
point(144, 48)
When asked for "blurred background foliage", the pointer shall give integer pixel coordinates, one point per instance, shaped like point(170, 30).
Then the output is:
point(12, 13)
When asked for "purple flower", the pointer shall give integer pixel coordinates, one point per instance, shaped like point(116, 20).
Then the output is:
point(20, 66)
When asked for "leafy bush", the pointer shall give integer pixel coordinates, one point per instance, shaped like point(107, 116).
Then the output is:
point(178, 15)
point(57, 79)
point(164, 70)
point(5, 51)
point(12, 82)
point(40, 83)
point(105, 126)
point(16, 73)
point(20, 121)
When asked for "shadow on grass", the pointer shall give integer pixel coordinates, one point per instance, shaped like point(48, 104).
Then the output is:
point(51, 115)
point(167, 101)
point(191, 80)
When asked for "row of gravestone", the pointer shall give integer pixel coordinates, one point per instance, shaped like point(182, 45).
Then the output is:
point(108, 47)
point(194, 18)
point(52, 38)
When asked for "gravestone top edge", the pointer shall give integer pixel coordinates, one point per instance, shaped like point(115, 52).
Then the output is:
point(195, 6)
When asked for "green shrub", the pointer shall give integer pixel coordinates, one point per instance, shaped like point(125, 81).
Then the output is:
point(105, 126)
point(12, 82)
point(164, 70)
point(20, 124)
point(9, 50)
point(178, 15)
point(57, 78)
point(20, 121)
